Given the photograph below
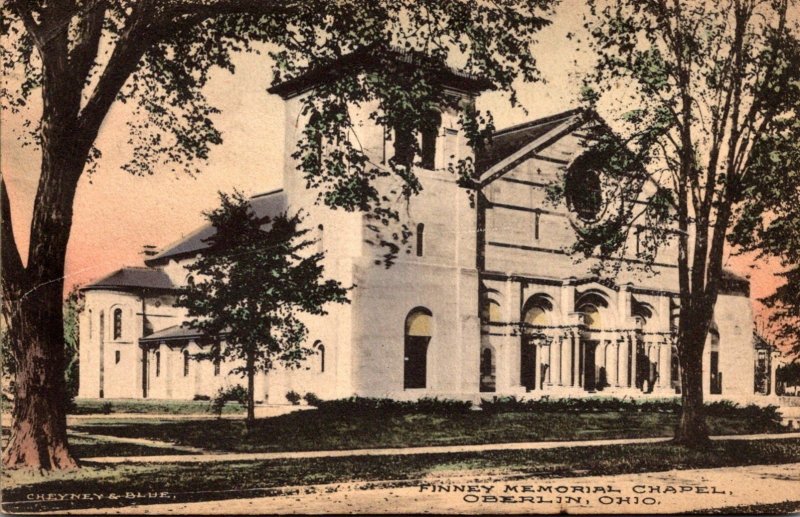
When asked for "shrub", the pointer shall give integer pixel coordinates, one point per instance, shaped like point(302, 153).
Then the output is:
point(293, 397)
point(311, 399)
point(236, 393)
point(767, 416)
point(359, 405)
point(201, 397)
point(106, 408)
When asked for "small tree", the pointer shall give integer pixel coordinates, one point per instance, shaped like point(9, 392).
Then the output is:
point(249, 287)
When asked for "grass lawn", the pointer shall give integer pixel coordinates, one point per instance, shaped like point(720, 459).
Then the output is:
point(168, 407)
point(221, 480)
point(318, 430)
point(90, 447)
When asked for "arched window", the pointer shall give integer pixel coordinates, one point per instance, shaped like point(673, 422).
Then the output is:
point(495, 315)
point(535, 315)
point(592, 305)
point(216, 367)
point(429, 132)
point(420, 239)
point(158, 364)
point(715, 375)
point(321, 351)
point(591, 317)
point(117, 323)
point(117, 356)
point(185, 363)
point(90, 323)
point(537, 310)
point(417, 337)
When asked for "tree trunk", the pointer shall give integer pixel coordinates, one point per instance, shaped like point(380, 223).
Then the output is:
point(39, 428)
point(692, 430)
point(251, 388)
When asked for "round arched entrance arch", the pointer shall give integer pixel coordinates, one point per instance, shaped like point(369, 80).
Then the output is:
point(418, 330)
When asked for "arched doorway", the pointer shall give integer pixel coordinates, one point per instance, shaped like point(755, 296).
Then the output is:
point(532, 365)
point(418, 328)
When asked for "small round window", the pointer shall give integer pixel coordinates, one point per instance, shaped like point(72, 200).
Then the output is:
point(584, 192)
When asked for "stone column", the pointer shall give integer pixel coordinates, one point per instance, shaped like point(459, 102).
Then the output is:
point(622, 362)
point(664, 365)
point(773, 367)
point(612, 358)
point(566, 360)
point(555, 363)
point(633, 346)
point(576, 362)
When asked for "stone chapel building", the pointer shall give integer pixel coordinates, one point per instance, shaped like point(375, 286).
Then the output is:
point(486, 302)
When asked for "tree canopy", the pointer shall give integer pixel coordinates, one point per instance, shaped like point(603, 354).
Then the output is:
point(249, 289)
point(704, 98)
point(84, 56)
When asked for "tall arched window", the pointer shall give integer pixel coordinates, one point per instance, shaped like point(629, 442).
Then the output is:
point(417, 337)
point(591, 317)
point(117, 323)
point(495, 314)
point(158, 364)
point(715, 375)
point(185, 363)
point(321, 352)
point(420, 239)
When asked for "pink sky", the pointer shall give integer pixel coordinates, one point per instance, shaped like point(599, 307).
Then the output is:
point(116, 213)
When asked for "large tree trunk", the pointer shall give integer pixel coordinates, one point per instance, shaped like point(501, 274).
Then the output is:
point(32, 309)
point(692, 430)
point(39, 429)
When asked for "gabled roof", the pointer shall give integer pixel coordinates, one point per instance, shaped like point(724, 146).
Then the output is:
point(733, 284)
point(269, 204)
point(175, 332)
point(367, 58)
point(760, 342)
point(513, 145)
point(511, 139)
point(132, 278)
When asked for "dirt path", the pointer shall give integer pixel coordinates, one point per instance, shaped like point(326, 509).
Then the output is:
point(138, 441)
point(260, 456)
point(657, 492)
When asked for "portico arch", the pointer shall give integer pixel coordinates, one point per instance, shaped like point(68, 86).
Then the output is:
point(418, 331)
point(537, 315)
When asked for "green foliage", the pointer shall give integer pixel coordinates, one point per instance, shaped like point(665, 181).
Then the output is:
point(788, 375)
point(235, 393)
point(312, 399)
point(73, 306)
point(761, 415)
point(709, 119)
point(361, 405)
point(249, 287)
point(293, 397)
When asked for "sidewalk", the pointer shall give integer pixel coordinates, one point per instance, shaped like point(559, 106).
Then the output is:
point(673, 491)
point(264, 456)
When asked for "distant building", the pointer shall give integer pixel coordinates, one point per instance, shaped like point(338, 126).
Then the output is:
point(485, 301)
